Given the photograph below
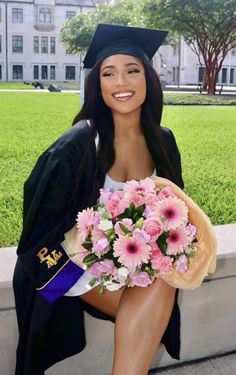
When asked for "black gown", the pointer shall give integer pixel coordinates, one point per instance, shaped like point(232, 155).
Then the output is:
point(46, 331)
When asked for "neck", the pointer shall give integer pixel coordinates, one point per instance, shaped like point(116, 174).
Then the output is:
point(127, 125)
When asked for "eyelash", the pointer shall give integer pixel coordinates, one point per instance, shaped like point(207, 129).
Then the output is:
point(133, 71)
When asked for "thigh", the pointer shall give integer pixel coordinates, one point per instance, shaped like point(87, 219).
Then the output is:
point(108, 303)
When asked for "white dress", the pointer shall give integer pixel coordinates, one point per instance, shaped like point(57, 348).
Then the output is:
point(82, 285)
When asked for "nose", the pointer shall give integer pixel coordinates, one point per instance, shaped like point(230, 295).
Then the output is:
point(121, 80)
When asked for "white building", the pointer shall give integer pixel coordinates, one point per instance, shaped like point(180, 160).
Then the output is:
point(30, 48)
point(171, 62)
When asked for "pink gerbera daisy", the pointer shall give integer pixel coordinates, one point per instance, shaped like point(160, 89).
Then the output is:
point(144, 186)
point(177, 240)
point(130, 252)
point(85, 222)
point(174, 211)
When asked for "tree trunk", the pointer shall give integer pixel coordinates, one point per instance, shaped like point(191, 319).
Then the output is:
point(211, 80)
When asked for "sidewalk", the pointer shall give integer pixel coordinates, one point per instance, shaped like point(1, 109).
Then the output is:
point(225, 365)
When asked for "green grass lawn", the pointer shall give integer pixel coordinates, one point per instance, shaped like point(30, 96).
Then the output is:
point(15, 86)
point(31, 122)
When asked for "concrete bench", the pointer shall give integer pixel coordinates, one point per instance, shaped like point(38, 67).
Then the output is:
point(207, 315)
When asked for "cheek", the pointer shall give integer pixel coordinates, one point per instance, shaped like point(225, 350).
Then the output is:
point(142, 90)
point(105, 90)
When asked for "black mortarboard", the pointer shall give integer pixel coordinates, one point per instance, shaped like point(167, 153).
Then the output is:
point(112, 39)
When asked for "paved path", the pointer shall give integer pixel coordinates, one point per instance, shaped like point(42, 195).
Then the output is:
point(225, 365)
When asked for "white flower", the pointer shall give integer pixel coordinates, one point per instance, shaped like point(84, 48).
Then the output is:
point(113, 286)
point(123, 272)
point(105, 225)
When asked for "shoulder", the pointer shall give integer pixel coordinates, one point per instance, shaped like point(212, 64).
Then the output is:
point(73, 140)
point(64, 154)
point(167, 133)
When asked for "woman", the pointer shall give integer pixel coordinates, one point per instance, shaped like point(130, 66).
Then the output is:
point(123, 101)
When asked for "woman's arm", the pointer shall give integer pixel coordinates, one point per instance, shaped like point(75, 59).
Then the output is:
point(47, 195)
point(174, 155)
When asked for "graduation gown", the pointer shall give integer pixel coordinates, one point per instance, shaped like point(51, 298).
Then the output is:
point(47, 333)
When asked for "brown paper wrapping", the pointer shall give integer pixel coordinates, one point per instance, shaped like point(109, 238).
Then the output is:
point(201, 264)
point(204, 261)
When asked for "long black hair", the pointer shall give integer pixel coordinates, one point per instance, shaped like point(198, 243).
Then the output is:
point(101, 122)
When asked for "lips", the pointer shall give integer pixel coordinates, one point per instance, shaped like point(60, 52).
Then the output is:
point(123, 95)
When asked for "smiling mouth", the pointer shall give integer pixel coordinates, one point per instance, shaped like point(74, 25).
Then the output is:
point(123, 96)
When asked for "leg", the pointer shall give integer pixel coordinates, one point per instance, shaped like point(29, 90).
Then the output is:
point(141, 321)
point(142, 315)
point(107, 303)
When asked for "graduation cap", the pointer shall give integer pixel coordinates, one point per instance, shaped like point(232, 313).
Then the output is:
point(111, 40)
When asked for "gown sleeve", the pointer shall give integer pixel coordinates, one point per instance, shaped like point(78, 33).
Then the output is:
point(174, 155)
point(47, 195)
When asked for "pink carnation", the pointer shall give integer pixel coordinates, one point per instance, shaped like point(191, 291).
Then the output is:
point(141, 236)
point(142, 279)
point(95, 271)
point(162, 263)
point(101, 247)
point(107, 267)
point(166, 192)
point(182, 264)
point(137, 199)
point(97, 234)
point(115, 205)
point(154, 227)
point(104, 196)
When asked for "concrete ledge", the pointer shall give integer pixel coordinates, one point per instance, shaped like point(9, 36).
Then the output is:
point(207, 313)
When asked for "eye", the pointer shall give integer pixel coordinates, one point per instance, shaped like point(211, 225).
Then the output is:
point(134, 71)
point(107, 74)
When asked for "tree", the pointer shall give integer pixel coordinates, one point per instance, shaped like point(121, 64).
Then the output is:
point(76, 34)
point(208, 26)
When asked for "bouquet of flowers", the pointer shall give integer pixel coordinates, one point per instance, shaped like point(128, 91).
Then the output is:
point(139, 233)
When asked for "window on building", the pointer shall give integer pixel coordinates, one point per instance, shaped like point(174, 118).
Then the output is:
point(177, 74)
point(52, 44)
point(224, 75)
point(45, 15)
point(233, 51)
point(0, 43)
point(70, 72)
point(0, 14)
point(173, 74)
point(17, 43)
point(70, 14)
point(231, 77)
point(52, 72)
point(36, 72)
point(44, 44)
point(201, 74)
point(44, 72)
point(17, 71)
point(36, 44)
point(0, 72)
point(17, 15)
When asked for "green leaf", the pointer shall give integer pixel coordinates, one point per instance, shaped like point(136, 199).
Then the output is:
point(124, 229)
point(90, 258)
point(101, 290)
point(93, 281)
point(87, 245)
point(161, 242)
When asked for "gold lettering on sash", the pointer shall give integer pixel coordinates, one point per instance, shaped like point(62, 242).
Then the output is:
point(51, 259)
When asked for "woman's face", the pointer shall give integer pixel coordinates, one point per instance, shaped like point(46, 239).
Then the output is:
point(123, 83)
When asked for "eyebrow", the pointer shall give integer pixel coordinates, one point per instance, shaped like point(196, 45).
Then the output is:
point(128, 64)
